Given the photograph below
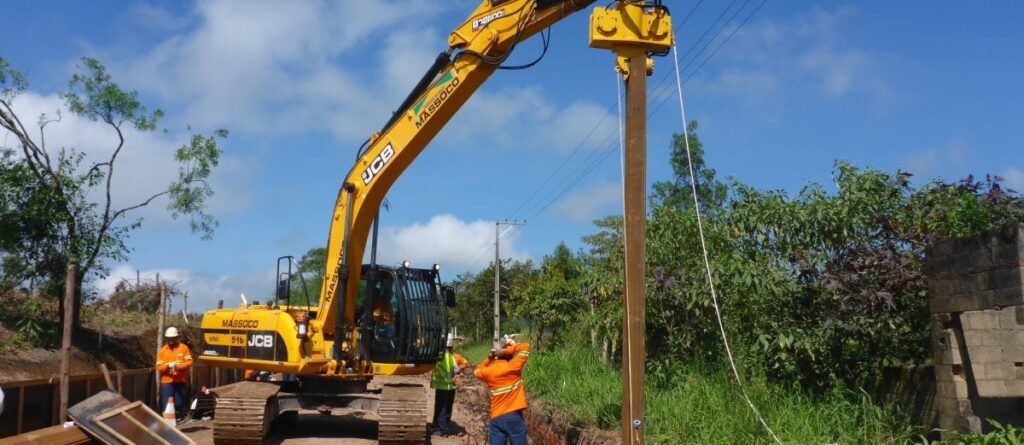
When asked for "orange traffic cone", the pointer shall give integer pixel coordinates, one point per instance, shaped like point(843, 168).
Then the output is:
point(169, 415)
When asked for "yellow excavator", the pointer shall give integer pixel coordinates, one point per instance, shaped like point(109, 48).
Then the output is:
point(371, 319)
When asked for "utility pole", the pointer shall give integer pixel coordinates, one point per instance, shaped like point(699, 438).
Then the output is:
point(159, 334)
point(497, 274)
point(65, 343)
point(633, 31)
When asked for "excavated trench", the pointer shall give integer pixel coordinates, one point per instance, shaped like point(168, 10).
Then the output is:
point(545, 425)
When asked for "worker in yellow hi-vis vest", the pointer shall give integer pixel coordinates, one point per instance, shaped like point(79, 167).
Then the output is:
point(448, 366)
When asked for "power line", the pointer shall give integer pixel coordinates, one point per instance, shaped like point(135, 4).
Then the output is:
point(713, 53)
point(554, 172)
point(658, 102)
point(717, 33)
point(604, 150)
point(744, 22)
point(706, 31)
point(564, 161)
point(668, 91)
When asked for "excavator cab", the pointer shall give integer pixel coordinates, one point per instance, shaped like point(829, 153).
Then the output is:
point(402, 314)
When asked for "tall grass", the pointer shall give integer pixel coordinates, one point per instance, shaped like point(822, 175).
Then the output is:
point(474, 352)
point(698, 406)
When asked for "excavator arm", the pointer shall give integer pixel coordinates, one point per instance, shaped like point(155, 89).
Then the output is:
point(475, 50)
point(329, 353)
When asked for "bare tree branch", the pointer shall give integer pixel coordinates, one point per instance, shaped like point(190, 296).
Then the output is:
point(95, 167)
point(142, 204)
point(42, 128)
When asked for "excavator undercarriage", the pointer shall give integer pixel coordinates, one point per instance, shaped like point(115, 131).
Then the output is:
point(245, 411)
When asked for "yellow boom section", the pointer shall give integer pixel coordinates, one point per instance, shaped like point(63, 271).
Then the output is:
point(485, 38)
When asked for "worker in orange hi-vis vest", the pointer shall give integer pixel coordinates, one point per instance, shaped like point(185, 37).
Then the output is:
point(173, 362)
point(502, 371)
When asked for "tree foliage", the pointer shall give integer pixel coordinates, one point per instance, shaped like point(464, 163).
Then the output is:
point(551, 298)
point(67, 195)
point(819, 288)
point(856, 259)
point(474, 314)
point(677, 193)
point(311, 267)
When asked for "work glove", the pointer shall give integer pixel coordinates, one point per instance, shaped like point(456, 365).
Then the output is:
point(172, 367)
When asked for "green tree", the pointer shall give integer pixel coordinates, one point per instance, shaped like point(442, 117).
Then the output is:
point(552, 298)
point(27, 250)
point(858, 300)
point(602, 284)
point(474, 315)
point(676, 193)
point(311, 266)
point(84, 222)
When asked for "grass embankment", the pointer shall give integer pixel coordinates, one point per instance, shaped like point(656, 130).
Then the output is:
point(30, 322)
point(702, 407)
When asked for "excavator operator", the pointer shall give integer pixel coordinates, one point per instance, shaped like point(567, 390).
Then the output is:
point(383, 312)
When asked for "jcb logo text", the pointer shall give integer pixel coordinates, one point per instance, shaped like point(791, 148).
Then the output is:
point(377, 164)
point(261, 341)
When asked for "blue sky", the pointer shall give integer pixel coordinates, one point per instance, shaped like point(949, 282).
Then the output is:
point(930, 87)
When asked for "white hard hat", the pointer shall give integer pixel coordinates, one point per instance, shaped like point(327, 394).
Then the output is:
point(508, 339)
point(172, 332)
point(450, 343)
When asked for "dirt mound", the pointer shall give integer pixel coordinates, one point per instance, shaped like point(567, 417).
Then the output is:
point(89, 351)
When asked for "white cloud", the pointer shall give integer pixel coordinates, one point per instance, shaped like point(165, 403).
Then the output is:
point(585, 205)
point(807, 50)
point(156, 18)
point(1014, 178)
point(934, 161)
point(455, 244)
point(204, 290)
point(272, 68)
point(523, 119)
point(144, 166)
point(839, 70)
point(736, 82)
point(445, 239)
point(276, 68)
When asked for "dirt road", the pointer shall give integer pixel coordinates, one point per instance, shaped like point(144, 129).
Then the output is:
point(350, 427)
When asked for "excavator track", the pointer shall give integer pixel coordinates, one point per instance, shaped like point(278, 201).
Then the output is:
point(244, 413)
point(403, 415)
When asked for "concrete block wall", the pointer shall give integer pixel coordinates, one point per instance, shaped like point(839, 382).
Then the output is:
point(995, 339)
point(976, 292)
point(976, 273)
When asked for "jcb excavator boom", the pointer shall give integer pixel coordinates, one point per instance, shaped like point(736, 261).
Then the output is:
point(475, 50)
point(374, 320)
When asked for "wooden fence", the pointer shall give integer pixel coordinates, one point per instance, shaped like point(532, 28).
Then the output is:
point(35, 404)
